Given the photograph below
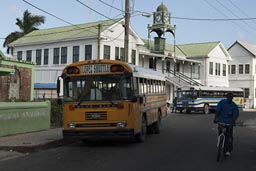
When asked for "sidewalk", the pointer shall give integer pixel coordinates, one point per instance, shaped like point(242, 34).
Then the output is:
point(16, 145)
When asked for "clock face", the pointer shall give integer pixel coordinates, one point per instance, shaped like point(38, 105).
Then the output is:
point(166, 17)
point(158, 17)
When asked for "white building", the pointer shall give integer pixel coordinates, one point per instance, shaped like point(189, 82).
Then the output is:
point(52, 49)
point(242, 70)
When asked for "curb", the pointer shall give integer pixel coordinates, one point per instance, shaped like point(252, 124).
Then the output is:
point(37, 147)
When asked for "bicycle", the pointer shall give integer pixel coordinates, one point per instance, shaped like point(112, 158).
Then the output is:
point(221, 140)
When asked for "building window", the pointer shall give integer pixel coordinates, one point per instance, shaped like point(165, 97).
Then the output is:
point(117, 53)
point(168, 66)
point(246, 92)
point(56, 55)
point(217, 69)
point(133, 57)
point(228, 69)
point(224, 70)
point(38, 56)
point(241, 69)
point(152, 63)
point(29, 55)
point(64, 54)
point(211, 68)
point(122, 55)
point(46, 56)
point(106, 52)
point(247, 69)
point(19, 55)
point(75, 53)
point(233, 69)
point(88, 52)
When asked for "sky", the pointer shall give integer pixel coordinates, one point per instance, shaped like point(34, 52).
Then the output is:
point(195, 20)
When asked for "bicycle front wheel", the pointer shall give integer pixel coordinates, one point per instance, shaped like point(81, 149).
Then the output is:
point(220, 148)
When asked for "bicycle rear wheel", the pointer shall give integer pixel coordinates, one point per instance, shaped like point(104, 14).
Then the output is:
point(220, 148)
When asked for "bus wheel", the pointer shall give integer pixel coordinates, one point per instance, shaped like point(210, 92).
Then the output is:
point(158, 124)
point(206, 109)
point(141, 137)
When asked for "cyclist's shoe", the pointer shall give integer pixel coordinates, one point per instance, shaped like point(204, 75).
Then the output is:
point(227, 153)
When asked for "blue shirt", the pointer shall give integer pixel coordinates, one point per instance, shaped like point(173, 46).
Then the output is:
point(227, 111)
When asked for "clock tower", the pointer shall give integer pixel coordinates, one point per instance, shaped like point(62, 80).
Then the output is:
point(161, 25)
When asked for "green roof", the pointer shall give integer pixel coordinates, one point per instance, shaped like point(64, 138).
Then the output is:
point(1, 54)
point(161, 7)
point(187, 50)
point(198, 49)
point(65, 33)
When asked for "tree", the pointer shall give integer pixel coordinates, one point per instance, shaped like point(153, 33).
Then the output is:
point(26, 25)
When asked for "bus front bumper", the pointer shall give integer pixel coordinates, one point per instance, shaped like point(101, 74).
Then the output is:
point(97, 134)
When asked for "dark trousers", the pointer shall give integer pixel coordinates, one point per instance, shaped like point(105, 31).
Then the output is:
point(229, 137)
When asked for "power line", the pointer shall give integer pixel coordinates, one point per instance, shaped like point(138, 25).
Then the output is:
point(111, 6)
point(57, 17)
point(234, 14)
point(49, 13)
point(213, 19)
point(228, 17)
point(94, 10)
point(239, 9)
point(187, 18)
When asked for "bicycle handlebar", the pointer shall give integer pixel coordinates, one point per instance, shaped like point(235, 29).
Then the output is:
point(224, 124)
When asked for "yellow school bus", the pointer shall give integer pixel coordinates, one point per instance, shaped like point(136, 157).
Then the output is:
point(109, 98)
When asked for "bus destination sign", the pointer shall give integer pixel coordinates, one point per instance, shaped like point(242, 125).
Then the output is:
point(96, 68)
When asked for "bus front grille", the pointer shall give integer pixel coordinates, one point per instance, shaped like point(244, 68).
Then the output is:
point(185, 104)
point(96, 116)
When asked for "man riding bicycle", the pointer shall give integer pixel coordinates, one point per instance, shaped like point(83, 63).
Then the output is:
point(227, 112)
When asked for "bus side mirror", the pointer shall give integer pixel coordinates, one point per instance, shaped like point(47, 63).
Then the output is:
point(59, 90)
point(134, 99)
point(58, 87)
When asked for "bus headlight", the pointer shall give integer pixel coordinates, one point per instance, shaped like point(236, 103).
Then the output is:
point(120, 124)
point(71, 125)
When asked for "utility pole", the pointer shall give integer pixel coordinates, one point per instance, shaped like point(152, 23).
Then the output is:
point(99, 31)
point(126, 29)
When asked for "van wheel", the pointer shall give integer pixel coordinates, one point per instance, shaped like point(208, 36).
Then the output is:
point(141, 137)
point(206, 109)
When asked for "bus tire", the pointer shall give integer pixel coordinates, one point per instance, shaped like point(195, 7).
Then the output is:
point(206, 109)
point(158, 124)
point(141, 137)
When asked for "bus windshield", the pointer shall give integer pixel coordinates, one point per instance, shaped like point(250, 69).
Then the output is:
point(97, 88)
point(191, 94)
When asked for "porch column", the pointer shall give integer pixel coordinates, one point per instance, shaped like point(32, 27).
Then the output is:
point(163, 65)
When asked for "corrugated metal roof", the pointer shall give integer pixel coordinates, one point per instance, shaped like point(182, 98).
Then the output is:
point(198, 49)
point(64, 33)
point(188, 50)
point(1, 54)
point(251, 48)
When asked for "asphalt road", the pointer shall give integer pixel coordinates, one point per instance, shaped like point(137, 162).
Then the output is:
point(186, 143)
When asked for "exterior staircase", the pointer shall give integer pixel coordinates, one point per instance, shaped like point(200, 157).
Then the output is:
point(179, 79)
